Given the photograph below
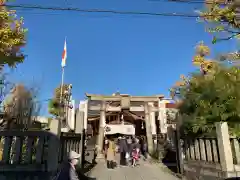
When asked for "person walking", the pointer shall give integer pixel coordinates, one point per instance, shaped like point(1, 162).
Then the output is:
point(68, 171)
point(129, 150)
point(137, 144)
point(135, 156)
point(111, 154)
point(122, 149)
point(137, 147)
point(144, 148)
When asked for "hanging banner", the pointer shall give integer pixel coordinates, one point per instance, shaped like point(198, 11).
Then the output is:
point(119, 129)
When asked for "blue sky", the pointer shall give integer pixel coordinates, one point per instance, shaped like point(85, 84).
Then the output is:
point(138, 55)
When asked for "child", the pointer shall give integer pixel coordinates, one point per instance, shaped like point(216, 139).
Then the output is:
point(135, 156)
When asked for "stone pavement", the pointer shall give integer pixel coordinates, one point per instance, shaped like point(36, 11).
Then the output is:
point(145, 171)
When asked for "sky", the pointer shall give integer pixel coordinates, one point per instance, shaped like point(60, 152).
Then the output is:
point(132, 54)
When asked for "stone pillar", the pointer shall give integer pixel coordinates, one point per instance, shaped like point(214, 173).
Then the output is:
point(162, 129)
point(224, 146)
point(162, 117)
point(83, 107)
point(70, 114)
point(85, 115)
point(79, 129)
point(102, 123)
point(148, 129)
point(54, 140)
point(153, 120)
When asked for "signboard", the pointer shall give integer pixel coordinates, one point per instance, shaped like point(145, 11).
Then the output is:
point(119, 129)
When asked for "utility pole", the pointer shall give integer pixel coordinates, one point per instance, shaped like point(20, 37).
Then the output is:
point(65, 105)
point(68, 104)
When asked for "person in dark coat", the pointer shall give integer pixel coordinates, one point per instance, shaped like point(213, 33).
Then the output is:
point(144, 148)
point(68, 171)
point(123, 149)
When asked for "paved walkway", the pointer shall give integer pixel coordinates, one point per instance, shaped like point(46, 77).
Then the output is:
point(145, 171)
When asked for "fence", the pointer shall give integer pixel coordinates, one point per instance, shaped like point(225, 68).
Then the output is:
point(37, 154)
point(27, 154)
point(202, 149)
point(212, 158)
point(69, 141)
point(201, 158)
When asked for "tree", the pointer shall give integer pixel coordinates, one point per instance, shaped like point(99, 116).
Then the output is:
point(209, 97)
point(223, 20)
point(12, 37)
point(200, 60)
point(20, 107)
point(55, 106)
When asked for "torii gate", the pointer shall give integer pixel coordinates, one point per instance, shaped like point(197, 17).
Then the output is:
point(150, 106)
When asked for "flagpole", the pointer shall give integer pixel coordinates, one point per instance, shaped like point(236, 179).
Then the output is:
point(63, 65)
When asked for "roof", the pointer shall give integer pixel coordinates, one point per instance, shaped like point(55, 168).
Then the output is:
point(94, 115)
point(118, 96)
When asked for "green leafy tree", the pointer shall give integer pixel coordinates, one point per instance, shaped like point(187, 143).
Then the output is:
point(56, 104)
point(206, 98)
point(12, 37)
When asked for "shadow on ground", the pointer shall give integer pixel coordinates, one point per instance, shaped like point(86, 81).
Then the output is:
point(88, 167)
point(90, 156)
point(83, 173)
point(170, 160)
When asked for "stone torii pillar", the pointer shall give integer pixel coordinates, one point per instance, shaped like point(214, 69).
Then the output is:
point(102, 123)
point(162, 117)
point(152, 119)
point(148, 129)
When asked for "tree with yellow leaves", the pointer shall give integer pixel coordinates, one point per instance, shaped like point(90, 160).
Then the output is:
point(12, 37)
point(223, 20)
point(200, 59)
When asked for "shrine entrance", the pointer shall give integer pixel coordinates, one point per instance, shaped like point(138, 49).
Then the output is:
point(125, 114)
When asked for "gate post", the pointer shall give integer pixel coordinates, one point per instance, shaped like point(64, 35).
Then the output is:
point(79, 128)
point(100, 137)
point(148, 129)
point(224, 146)
point(54, 145)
